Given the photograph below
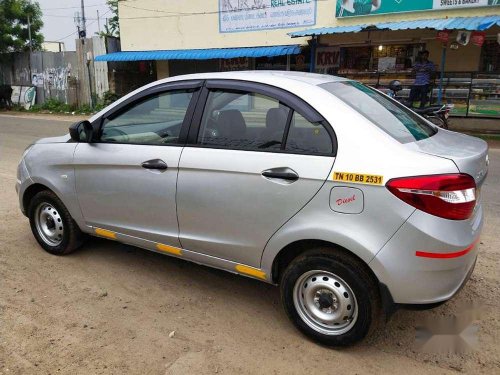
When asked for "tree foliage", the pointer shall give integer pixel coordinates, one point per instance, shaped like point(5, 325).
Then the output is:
point(112, 27)
point(14, 35)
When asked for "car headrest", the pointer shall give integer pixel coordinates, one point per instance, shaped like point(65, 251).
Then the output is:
point(231, 124)
point(276, 119)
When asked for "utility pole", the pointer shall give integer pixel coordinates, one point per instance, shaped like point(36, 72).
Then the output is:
point(82, 34)
point(98, 22)
point(30, 45)
point(84, 22)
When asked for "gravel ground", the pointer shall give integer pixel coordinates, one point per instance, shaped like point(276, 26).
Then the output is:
point(111, 308)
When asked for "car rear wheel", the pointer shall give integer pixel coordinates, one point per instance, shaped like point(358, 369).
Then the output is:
point(330, 297)
point(52, 225)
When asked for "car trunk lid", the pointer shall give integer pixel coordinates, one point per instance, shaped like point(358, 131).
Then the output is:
point(470, 154)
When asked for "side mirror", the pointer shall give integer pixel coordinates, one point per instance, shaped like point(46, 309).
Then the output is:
point(81, 131)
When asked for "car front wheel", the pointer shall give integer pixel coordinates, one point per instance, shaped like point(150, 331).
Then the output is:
point(52, 225)
point(330, 297)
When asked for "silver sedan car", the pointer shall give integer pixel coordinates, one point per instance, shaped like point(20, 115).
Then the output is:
point(347, 200)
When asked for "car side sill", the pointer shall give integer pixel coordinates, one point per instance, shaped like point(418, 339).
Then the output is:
point(192, 256)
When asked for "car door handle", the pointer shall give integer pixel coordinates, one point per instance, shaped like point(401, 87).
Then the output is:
point(155, 164)
point(281, 173)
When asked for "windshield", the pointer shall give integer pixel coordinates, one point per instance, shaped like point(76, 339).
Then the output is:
point(390, 116)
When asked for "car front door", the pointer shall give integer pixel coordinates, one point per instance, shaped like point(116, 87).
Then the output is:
point(255, 156)
point(126, 179)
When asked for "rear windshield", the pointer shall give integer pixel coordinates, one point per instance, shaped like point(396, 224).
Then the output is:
point(390, 116)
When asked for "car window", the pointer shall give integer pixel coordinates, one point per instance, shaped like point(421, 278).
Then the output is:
point(154, 120)
point(308, 137)
point(243, 120)
point(393, 118)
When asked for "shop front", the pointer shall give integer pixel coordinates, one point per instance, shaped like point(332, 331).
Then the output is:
point(294, 59)
point(464, 50)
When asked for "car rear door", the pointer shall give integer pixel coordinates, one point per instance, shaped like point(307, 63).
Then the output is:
point(126, 179)
point(255, 156)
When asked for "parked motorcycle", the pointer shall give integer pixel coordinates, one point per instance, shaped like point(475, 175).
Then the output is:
point(437, 114)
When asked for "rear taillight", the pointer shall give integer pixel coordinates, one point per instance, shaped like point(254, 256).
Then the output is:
point(450, 196)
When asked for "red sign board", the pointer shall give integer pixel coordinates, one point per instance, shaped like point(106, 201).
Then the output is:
point(237, 63)
point(443, 36)
point(478, 38)
point(327, 58)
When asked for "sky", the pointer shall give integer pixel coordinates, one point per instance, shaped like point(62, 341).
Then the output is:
point(58, 19)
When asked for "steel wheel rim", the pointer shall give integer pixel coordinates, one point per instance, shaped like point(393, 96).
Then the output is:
point(49, 224)
point(325, 302)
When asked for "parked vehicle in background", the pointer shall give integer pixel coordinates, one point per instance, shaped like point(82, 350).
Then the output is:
point(343, 197)
point(437, 114)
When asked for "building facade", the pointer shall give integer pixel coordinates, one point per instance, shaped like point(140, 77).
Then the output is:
point(343, 37)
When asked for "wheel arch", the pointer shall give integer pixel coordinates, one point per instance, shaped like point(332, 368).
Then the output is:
point(291, 251)
point(69, 201)
point(31, 191)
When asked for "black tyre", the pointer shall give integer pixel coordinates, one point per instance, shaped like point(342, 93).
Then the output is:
point(330, 297)
point(52, 225)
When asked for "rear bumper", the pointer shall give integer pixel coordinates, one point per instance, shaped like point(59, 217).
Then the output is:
point(436, 304)
point(429, 259)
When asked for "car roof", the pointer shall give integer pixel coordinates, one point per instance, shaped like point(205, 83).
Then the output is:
point(270, 76)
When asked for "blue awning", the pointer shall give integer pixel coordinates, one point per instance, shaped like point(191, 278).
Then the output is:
point(201, 54)
point(457, 23)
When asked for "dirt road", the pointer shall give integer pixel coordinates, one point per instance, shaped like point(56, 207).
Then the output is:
point(110, 308)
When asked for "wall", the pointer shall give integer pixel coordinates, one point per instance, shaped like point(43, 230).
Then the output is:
point(465, 58)
point(63, 76)
point(51, 73)
point(101, 82)
point(94, 79)
point(172, 24)
point(53, 46)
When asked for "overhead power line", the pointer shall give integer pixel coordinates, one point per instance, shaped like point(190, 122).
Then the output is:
point(76, 7)
point(67, 16)
point(75, 32)
point(168, 14)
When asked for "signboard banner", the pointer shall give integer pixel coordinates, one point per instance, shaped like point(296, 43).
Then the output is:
point(353, 8)
point(327, 59)
point(478, 38)
point(24, 95)
point(463, 37)
point(386, 64)
point(443, 36)
point(252, 15)
point(229, 65)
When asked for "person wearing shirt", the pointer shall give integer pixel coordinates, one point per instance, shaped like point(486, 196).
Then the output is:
point(423, 69)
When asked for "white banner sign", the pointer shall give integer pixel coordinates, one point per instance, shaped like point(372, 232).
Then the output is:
point(251, 15)
point(23, 95)
point(453, 4)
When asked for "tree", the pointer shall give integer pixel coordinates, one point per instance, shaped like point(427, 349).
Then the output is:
point(14, 34)
point(112, 27)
